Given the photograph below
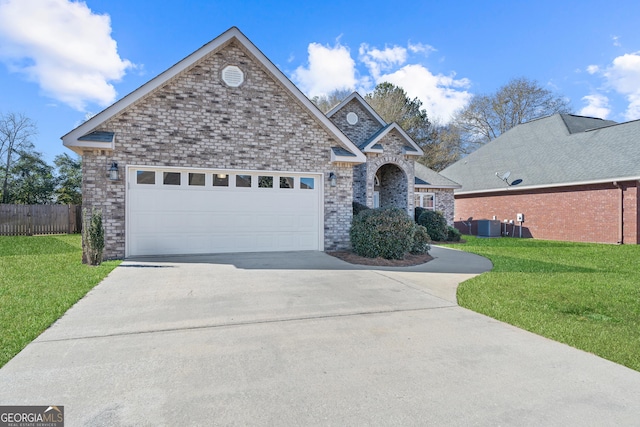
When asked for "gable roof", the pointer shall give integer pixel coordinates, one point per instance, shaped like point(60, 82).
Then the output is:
point(79, 138)
point(372, 144)
point(428, 178)
point(559, 150)
point(356, 96)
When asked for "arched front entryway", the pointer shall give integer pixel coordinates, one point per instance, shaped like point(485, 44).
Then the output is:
point(390, 187)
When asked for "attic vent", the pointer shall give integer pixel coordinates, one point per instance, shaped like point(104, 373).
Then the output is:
point(232, 76)
point(352, 118)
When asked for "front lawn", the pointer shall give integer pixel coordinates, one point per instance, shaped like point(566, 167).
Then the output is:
point(41, 277)
point(584, 295)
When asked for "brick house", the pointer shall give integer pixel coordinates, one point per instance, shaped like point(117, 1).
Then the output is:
point(223, 153)
point(573, 178)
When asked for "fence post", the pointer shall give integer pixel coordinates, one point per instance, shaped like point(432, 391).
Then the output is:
point(30, 221)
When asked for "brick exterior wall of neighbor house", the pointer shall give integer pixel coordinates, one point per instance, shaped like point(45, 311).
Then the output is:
point(589, 213)
point(195, 120)
point(444, 202)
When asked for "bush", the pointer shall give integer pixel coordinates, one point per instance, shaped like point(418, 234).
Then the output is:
point(435, 223)
point(418, 212)
point(358, 207)
point(453, 234)
point(421, 240)
point(92, 236)
point(386, 233)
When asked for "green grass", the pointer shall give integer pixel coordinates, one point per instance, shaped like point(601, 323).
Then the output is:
point(41, 277)
point(584, 295)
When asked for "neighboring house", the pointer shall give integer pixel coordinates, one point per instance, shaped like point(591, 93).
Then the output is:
point(222, 153)
point(573, 178)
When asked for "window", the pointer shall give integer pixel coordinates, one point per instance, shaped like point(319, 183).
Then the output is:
point(307, 183)
point(145, 177)
point(265, 182)
point(425, 200)
point(243, 181)
point(171, 178)
point(286, 182)
point(196, 179)
point(220, 180)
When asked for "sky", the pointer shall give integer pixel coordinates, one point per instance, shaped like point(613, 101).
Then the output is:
point(62, 61)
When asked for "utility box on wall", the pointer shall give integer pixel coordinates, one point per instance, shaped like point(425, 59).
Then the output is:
point(489, 228)
point(520, 217)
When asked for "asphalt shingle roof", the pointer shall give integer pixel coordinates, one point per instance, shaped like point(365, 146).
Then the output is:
point(555, 150)
point(426, 176)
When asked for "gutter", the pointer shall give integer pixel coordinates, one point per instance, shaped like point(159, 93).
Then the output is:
point(620, 212)
point(537, 187)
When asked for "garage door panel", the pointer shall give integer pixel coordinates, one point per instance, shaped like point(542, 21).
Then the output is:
point(187, 220)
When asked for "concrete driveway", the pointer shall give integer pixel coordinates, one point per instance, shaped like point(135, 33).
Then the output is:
point(291, 339)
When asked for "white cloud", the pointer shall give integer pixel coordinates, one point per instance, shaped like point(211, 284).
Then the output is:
point(592, 69)
point(378, 60)
point(597, 106)
point(616, 41)
point(421, 48)
point(64, 47)
point(441, 95)
point(624, 77)
point(329, 68)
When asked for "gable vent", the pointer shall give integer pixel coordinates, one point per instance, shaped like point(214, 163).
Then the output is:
point(232, 76)
point(352, 118)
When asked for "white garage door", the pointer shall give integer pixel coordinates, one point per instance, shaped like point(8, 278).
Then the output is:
point(172, 211)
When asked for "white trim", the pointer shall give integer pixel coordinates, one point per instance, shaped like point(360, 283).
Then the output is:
point(537, 187)
point(319, 176)
point(422, 194)
point(437, 186)
point(71, 139)
point(368, 149)
point(344, 159)
point(360, 99)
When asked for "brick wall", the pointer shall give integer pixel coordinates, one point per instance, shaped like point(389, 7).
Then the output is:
point(364, 129)
point(195, 120)
point(444, 202)
point(589, 213)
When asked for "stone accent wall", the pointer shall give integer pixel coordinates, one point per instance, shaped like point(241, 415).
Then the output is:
point(360, 184)
point(588, 213)
point(393, 186)
point(195, 120)
point(445, 202)
point(366, 127)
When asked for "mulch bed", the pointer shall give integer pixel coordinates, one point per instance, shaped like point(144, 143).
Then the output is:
point(408, 260)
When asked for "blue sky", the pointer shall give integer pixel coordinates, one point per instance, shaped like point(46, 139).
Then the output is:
point(63, 60)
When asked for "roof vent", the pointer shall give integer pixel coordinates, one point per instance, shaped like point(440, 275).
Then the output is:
point(352, 118)
point(232, 76)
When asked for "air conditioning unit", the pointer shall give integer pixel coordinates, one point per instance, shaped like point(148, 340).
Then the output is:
point(489, 228)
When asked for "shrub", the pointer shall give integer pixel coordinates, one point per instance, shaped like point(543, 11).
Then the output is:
point(435, 223)
point(358, 207)
point(453, 234)
point(92, 236)
point(386, 233)
point(421, 240)
point(418, 212)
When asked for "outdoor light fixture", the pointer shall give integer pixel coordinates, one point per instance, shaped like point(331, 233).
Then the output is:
point(333, 179)
point(113, 172)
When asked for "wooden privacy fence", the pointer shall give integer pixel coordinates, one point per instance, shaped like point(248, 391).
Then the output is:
point(27, 220)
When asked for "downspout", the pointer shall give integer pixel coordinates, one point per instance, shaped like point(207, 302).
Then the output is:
point(621, 213)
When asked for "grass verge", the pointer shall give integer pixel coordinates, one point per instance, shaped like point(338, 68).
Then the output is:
point(41, 277)
point(584, 295)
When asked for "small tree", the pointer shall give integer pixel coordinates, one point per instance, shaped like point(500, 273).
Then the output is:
point(92, 236)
